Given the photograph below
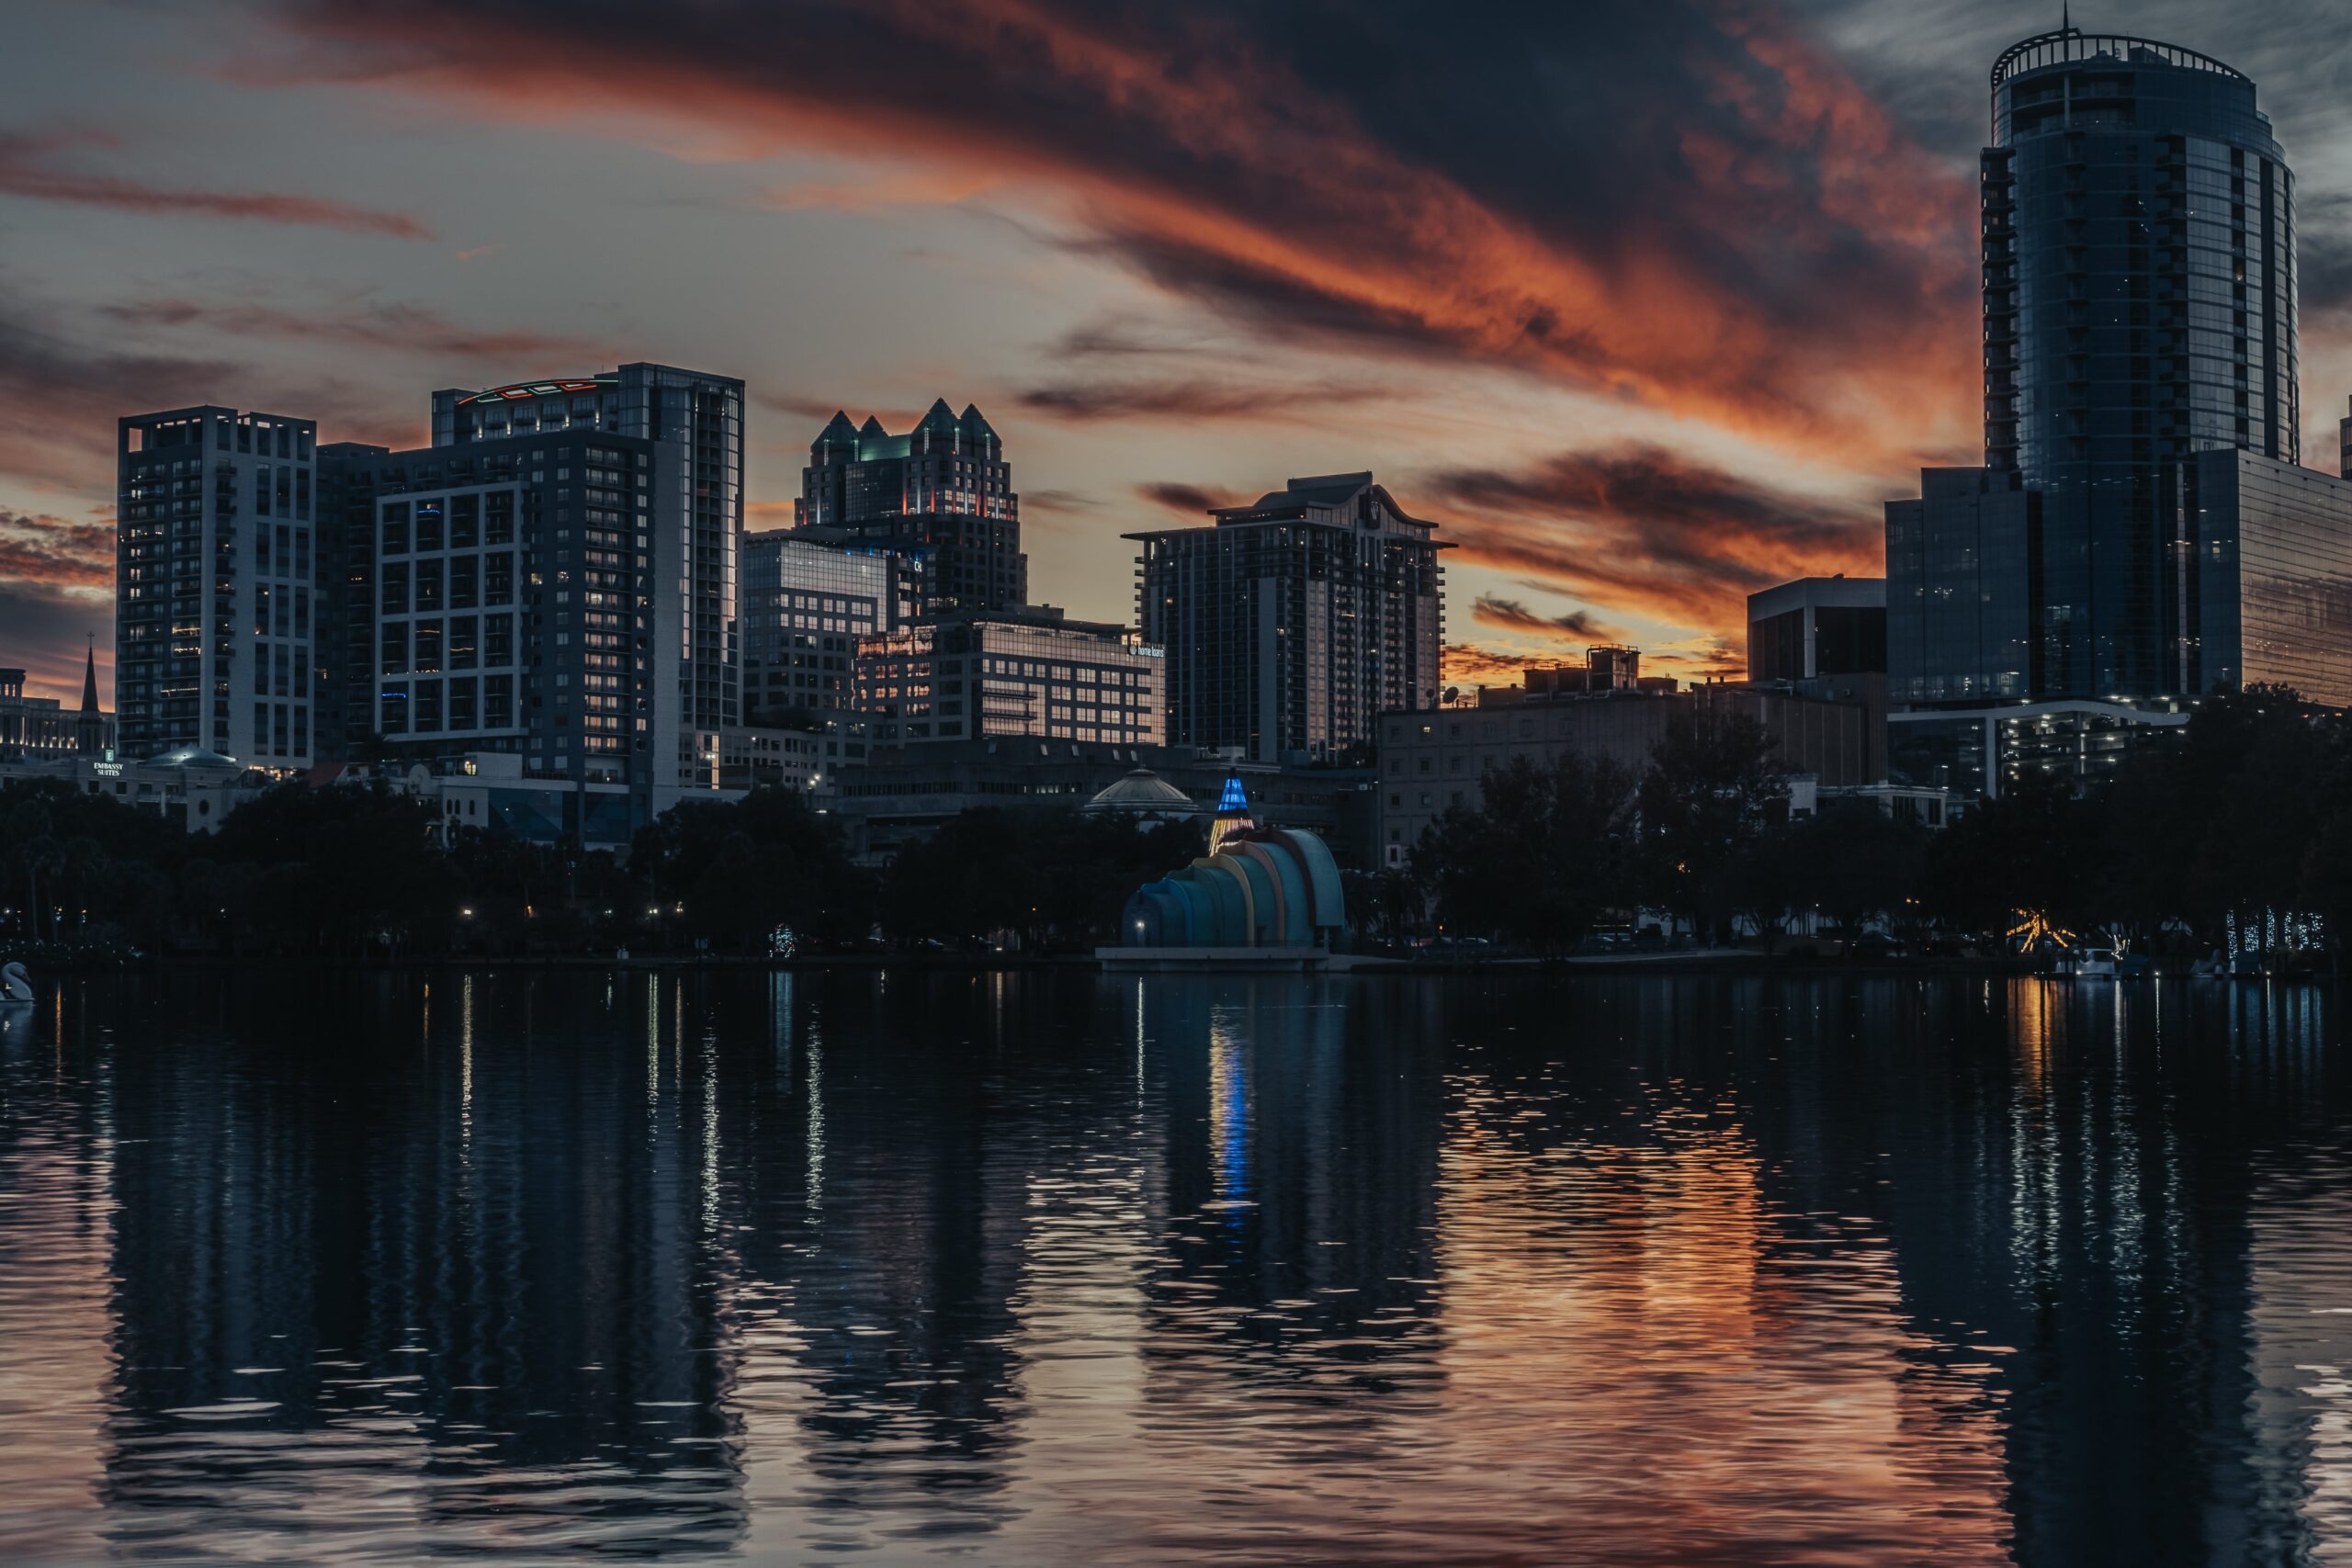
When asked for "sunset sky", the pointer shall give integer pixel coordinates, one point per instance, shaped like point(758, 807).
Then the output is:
point(1648, 305)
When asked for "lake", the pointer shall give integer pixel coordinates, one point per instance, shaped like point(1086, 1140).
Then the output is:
point(1043, 1267)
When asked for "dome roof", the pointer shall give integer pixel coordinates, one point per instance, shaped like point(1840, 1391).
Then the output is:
point(1142, 790)
point(192, 756)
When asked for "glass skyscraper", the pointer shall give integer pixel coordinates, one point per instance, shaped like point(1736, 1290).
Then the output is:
point(2139, 249)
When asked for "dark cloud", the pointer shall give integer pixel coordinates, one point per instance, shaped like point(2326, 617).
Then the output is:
point(398, 329)
point(1685, 202)
point(39, 549)
point(1510, 614)
point(1185, 400)
point(27, 169)
point(60, 398)
point(1191, 501)
point(1640, 530)
point(1467, 664)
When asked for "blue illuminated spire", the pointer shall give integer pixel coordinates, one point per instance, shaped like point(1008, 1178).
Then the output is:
point(1233, 799)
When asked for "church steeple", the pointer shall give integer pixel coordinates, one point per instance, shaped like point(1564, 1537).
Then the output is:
point(90, 678)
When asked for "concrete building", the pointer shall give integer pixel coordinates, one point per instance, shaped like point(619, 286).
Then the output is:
point(903, 795)
point(1435, 758)
point(676, 532)
point(213, 585)
point(1292, 624)
point(1027, 673)
point(189, 786)
point(939, 497)
point(1817, 626)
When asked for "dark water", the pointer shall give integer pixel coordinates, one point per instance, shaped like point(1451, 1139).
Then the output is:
point(1048, 1269)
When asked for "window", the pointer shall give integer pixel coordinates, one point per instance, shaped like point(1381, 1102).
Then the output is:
point(428, 646)
point(462, 647)
point(395, 528)
point(395, 645)
point(394, 598)
point(462, 705)
point(498, 579)
point(465, 522)
point(498, 701)
point(429, 707)
point(428, 585)
point(498, 639)
point(461, 581)
point(428, 537)
point(499, 518)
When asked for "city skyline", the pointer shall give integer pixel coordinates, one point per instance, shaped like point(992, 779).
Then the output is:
point(1631, 389)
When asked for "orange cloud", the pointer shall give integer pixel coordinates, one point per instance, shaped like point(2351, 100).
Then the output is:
point(25, 172)
point(1770, 256)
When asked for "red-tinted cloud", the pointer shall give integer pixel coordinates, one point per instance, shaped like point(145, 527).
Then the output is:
point(36, 548)
point(1511, 616)
point(398, 329)
point(1191, 501)
point(1686, 204)
point(27, 169)
point(1467, 664)
point(1643, 531)
point(1187, 399)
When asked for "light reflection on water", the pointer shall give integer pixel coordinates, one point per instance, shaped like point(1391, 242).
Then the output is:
point(1036, 1268)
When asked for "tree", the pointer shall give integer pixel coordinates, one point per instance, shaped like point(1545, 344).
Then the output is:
point(1539, 860)
point(1711, 789)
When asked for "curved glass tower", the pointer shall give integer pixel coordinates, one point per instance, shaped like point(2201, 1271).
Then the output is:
point(2139, 248)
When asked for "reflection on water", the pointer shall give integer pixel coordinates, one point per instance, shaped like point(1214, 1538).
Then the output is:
point(1037, 1268)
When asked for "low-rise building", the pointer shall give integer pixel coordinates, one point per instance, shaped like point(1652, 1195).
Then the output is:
point(33, 728)
point(904, 794)
point(187, 786)
point(1434, 760)
point(1031, 673)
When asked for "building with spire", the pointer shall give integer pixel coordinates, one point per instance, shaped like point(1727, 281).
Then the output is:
point(40, 729)
point(939, 497)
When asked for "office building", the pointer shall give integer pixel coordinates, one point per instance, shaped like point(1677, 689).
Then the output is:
point(940, 497)
point(2141, 532)
point(1031, 673)
point(671, 525)
point(806, 604)
point(510, 602)
point(213, 585)
point(2139, 307)
point(1817, 626)
point(1292, 624)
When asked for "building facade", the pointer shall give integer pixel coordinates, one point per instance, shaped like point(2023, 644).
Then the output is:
point(1817, 626)
point(1435, 759)
point(939, 497)
point(971, 677)
point(806, 605)
point(1291, 625)
point(510, 603)
point(2139, 307)
point(213, 585)
point(684, 517)
point(2270, 575)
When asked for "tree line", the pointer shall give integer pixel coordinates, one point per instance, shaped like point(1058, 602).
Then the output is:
point(362, 873)
point(2244, 816)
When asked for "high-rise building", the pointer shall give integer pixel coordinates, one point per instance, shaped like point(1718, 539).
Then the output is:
point(213, 585)
point(2141, 532)
point(940, 497)
point(1292, 624)
point(508, 607)
point(2139, 306)
point(1031, 673)
point(674, 533)
point(806, 605)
